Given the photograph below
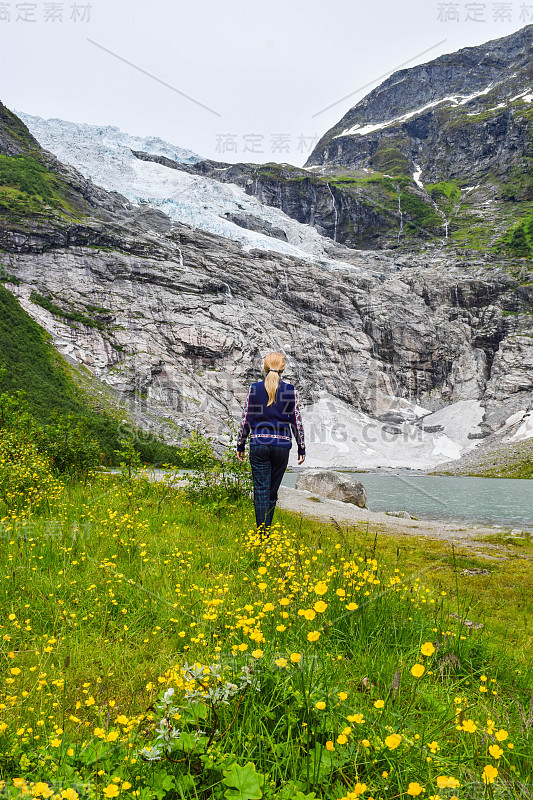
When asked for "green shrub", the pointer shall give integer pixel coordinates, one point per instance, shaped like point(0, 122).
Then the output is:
point(57, 311)
point(217, 483)
point(27, 480)
point(34, 367)
point(519, 239)
point(68, 443)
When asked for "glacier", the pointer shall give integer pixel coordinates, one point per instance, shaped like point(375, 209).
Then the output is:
point(104, 155)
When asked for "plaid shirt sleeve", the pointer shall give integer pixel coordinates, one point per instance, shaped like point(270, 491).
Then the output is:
point(244, 427)
point(297, 425)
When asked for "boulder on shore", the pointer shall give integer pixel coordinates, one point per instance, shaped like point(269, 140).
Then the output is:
point(334, 485)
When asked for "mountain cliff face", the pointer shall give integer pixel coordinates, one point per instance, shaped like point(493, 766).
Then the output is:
point(457, 133)
point(441, 151)
point(401, 359)
point(458, 116)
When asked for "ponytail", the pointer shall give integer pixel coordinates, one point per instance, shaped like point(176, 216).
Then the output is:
point(273, 367)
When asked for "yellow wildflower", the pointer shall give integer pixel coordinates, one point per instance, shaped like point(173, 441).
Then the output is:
point(41, 789)
point(393, 741)
point(489, 773)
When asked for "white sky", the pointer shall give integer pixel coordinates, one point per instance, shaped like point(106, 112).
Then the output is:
point(266, 68)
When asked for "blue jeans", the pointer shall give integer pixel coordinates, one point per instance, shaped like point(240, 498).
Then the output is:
point(268, 463)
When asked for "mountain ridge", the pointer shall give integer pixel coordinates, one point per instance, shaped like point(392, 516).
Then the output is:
point(470, 69)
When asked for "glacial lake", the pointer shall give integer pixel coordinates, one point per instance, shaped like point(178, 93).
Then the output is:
point(495, 501)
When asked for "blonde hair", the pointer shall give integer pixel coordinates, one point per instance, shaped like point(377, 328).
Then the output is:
point(273, 361)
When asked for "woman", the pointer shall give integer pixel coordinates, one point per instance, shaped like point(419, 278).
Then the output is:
point(271, 413)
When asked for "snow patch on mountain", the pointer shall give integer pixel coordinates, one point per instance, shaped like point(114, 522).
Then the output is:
point(525, 431)
point(104, 154)
point(525, 96)
point(457, 100)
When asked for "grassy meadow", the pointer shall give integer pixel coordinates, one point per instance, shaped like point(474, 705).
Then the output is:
point(152, 647)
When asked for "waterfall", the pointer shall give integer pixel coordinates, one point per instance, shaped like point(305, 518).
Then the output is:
point(416, 177)
point(335, 212)
point(441, 213)
point(400, 212)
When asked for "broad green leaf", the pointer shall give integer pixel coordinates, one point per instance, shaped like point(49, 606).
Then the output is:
point(193, 713)
point(290, 792)
point(162, 784)
point(244, 782)
point(187, 742)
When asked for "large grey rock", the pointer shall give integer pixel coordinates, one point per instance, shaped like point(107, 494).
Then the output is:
point(335, 485)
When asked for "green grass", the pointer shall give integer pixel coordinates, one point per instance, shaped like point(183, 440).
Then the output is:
point(422, 214)
point(390, 159)
point(502, 601)
point(519, 238)
point(446, 194)
point(71, 316)
point(29, 188)
point(27, 175)
point(122, 583)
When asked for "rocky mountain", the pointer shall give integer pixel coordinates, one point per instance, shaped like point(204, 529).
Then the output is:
point(441, 151)
point(111, 159)
point(458, 116)
point(403, 356)
point(460, 129)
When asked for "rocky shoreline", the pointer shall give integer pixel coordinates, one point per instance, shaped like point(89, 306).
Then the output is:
point(506, 460)
point(337, 512)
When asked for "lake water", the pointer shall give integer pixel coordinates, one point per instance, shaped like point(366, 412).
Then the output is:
point(495, 501)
